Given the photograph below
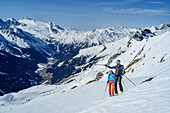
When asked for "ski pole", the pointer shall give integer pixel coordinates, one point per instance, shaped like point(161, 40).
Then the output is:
point(105, 69)
point(105, 91)
point(130, 81)
point(124, 84)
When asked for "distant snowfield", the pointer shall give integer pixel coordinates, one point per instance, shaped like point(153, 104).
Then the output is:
point(153, 57)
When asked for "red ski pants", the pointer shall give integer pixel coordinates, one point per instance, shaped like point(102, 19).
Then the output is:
point(111, 87)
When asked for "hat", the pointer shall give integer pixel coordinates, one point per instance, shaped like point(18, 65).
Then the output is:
point(118, 61)
point(111, 71)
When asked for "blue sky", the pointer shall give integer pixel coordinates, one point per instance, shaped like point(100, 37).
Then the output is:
point(90, 13)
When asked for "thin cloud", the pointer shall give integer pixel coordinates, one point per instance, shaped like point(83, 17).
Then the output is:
point(119, 3)
point(155, 2)
point(164, 12)
point(64, 14)
point(109, 3)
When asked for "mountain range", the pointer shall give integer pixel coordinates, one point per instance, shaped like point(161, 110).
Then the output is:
point(34, 52)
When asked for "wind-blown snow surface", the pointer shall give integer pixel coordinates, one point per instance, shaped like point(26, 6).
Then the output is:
point(153, 56)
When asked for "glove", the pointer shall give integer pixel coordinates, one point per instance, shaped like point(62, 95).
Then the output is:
point(106, 65)
point(107, 72)
point(107, 81)
point(121, 75)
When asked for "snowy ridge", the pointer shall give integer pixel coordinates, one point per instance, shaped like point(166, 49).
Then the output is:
point(146, 59)
point(28, 33)
point(22, 39)
point(48, 31)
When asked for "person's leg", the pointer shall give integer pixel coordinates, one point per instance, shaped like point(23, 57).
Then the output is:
point(120, 84)
point(109, 84)
point(113, 88)
point(116, 79)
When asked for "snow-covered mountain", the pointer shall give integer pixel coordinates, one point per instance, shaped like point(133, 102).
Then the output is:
point(55, 33)
point(147, 65)
point(32, 52)
point(27, 44)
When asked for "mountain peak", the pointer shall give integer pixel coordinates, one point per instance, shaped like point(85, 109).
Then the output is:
point(164, 26)
point(12, 21)
point(26, 18)
point(51, 23)
point(1, 20)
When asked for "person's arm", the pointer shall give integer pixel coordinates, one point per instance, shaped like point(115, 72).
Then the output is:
point(112, 67)
point(108, 78)
point(123, 70)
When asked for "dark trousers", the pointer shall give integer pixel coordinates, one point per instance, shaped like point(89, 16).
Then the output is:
point(118, 79)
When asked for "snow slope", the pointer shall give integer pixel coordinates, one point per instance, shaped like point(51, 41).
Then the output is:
point(148, 58)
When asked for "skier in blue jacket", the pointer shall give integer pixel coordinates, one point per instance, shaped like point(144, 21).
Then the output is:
point(118, 75)
point(111, 80)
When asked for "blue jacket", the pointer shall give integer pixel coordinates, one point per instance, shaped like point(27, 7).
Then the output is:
point(119, 70)
point(111, 77)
